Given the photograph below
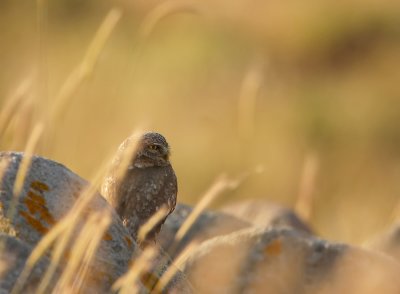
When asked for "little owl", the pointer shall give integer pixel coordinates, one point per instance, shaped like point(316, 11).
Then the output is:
point(148, 183)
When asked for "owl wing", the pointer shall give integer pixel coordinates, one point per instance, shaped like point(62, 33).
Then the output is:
point(170, 189)
point(166, 196)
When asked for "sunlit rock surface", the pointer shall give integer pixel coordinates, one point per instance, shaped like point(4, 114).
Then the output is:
point(287, 261)
point(208, 225)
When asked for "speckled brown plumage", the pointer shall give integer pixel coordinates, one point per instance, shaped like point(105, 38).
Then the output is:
point(148, 184)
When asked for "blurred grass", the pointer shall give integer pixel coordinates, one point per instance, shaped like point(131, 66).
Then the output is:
point(329, 86)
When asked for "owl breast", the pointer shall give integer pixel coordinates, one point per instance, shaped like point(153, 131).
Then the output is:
point(142, 192)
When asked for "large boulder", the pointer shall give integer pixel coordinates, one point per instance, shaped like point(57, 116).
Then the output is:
point(287, 261)
point(208, 225)
point(48, 193)
point(13, 256)
point(264, 214)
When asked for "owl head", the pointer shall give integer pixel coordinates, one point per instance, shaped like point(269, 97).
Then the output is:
point(151, 150)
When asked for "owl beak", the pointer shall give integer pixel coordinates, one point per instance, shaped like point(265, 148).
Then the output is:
point(165, 152)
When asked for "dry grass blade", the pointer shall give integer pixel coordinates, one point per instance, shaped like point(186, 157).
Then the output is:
point(100, 39)
point(24, 166)
point(100, 228)
point(57, 254)
point(26, 159)
point(20, 126)
point(38, 252)
point(83, 251)
point(151, 20)
point(172, 270)
point(63, 229)
point(11, 106)
point(60, 232)
point(220, 185)
point(247, 100)
point(69, 224)
point(163, 10)
point(152, 222)
point(3, 167)
point(129, 283)
point(86, 67)
point(304, 202)
point(42, 55)
point(124, 159)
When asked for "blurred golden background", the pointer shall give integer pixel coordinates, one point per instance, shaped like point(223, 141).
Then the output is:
point(310, 91)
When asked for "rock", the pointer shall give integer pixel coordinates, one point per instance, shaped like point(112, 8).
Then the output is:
point(208, 225)
point(388, 242)
point(49, 191)
point(13, 256)
point(265, 214)
point(272, 260)
point(160, 265)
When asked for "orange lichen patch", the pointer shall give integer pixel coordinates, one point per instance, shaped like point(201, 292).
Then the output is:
point(37, 204)
point(34, 223)
point(97, 277)
point(66, 255)
point(274, 248)
point(131, 262)
point(128, 241)
point(107, 236)
point(149, 280)
point(37, 198)
point(39, 186)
